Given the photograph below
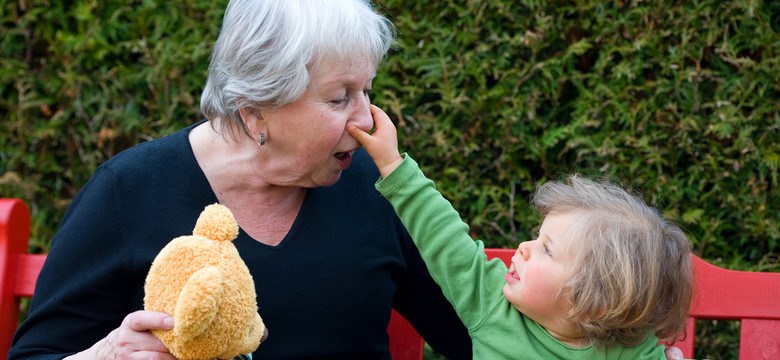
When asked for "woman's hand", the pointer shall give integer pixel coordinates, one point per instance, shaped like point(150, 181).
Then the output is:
point(132, 339)
point(382, 144)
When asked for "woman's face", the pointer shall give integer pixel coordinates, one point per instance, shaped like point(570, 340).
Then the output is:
point(307, 141)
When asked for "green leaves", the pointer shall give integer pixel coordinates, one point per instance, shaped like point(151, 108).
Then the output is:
point(676, 99)
point(84, 80)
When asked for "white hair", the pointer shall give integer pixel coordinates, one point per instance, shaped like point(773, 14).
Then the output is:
point(267, 49)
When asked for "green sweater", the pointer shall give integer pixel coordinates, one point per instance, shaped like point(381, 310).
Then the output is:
point(473, 284)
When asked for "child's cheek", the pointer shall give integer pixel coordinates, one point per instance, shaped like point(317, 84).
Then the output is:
point(541, 287)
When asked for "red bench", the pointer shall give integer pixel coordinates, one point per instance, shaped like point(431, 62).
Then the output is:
point(750, 297)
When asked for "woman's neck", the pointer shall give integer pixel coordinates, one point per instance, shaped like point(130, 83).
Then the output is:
point(264, 211)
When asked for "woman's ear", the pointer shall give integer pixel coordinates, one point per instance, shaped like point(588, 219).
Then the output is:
point(254, 122)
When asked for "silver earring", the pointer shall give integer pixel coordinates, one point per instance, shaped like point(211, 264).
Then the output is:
point(261, 139)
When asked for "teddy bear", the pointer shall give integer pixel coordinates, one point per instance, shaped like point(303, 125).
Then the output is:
point(202, 282)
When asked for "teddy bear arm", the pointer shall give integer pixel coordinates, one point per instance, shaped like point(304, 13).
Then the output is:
point(198, 303)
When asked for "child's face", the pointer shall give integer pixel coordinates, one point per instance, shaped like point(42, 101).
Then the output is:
point(539, 269)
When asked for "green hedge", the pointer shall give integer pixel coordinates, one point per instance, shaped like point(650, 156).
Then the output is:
point(82, 82)
point(677, 99)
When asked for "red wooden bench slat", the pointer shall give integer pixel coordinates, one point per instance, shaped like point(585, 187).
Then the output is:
point(752, 297)
point(27, 268)
point(14, 234)
point(405, 342)
point(759, 339)
point(730, 294)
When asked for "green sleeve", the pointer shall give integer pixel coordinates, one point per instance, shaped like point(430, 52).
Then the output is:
point(456, 262)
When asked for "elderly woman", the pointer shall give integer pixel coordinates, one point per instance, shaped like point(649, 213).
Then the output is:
point(329, 256)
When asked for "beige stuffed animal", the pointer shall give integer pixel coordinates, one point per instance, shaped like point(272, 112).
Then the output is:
point(202, 282)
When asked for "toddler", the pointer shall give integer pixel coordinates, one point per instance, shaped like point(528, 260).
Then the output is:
point(605, 278)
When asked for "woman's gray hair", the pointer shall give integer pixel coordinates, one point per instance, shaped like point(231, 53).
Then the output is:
point(267, 49)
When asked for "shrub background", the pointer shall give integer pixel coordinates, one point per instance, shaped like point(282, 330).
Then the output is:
point(677, 99)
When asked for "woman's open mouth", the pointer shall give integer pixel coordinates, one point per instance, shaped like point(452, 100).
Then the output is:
point(344, 159)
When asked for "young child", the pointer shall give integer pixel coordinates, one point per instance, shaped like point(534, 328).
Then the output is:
point(605, 276)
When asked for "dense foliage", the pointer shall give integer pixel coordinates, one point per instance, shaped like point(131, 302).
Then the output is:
point(676, 99)
point(679, 101)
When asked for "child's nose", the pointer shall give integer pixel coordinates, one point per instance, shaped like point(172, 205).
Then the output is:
point(523, 250)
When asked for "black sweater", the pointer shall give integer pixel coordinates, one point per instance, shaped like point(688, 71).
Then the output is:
point(325, 292)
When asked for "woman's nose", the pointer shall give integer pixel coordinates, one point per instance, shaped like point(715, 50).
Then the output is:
point(361, 113)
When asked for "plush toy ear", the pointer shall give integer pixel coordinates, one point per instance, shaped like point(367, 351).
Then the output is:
point(198, 303)
point(257, 334)
point(216, 222)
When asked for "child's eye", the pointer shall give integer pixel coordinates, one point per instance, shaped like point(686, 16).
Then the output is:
point(547, 250)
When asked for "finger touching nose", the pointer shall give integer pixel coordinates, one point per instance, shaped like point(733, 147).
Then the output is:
point(361, 115)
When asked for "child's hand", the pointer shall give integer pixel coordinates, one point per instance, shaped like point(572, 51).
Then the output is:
point(382, 144)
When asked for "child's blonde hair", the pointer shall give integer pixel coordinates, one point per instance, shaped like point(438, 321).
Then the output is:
point(631, 271)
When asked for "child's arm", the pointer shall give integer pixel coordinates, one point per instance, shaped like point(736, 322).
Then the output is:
point(382, 145)
point(456, 262)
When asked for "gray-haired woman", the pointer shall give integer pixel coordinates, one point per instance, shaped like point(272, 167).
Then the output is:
point(329, 257)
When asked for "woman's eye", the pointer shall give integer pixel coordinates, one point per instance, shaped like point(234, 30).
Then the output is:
point(338, 101)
